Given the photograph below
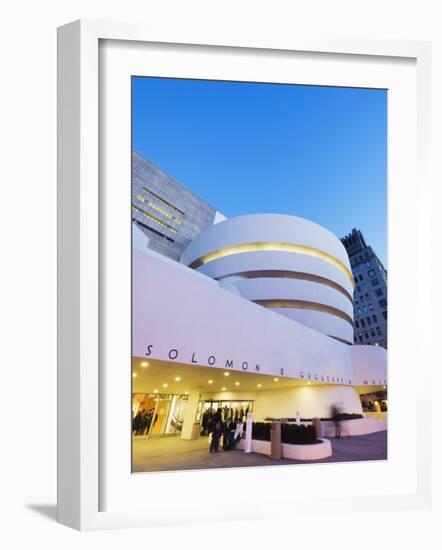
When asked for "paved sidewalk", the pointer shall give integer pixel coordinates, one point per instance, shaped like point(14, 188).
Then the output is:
point(177, 454)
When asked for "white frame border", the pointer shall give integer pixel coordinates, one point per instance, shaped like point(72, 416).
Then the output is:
point(79, 252)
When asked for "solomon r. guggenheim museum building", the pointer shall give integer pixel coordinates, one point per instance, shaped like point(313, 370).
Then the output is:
point(252, 313)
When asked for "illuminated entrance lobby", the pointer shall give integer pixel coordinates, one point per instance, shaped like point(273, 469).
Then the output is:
point(258, 315)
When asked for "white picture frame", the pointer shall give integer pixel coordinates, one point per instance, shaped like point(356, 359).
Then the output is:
point(80, 443)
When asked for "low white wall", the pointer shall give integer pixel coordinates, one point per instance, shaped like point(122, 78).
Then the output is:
point(261, 447)
point(310, 401)
point(307, 452)
point(294, 452)
point(358, 426)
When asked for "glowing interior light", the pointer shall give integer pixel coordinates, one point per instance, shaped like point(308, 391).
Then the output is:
point(274, 247)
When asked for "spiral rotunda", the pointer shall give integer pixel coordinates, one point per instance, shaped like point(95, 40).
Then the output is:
point(288, 264)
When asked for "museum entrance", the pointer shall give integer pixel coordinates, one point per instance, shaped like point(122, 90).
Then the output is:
point(375, 402)
point(235, 410)
point(157, 415)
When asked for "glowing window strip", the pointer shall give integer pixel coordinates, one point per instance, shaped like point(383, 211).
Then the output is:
point(275, 247)
point(158, 208)
point(155, 207)
point(163, 200)
point(170, 228)
point(303, 304)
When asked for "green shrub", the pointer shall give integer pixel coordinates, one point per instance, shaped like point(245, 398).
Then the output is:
point(349, 416)
point(261, 431)
point(298, 435)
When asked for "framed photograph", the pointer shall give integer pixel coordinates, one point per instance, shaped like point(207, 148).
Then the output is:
point(240, 229)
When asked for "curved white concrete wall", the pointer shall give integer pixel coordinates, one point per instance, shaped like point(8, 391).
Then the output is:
point(291, 289)
point(182, 316)
point(322, 322)
point(336, 322)
point(265, 228)
point(310, 401)
point(253, 263)
point(369, 364)
point(280, 262)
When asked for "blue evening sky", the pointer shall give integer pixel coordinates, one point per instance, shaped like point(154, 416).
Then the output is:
point(315, 152)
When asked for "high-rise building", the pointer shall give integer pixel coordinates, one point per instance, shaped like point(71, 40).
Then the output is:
point(370, 294)
point(168, 213)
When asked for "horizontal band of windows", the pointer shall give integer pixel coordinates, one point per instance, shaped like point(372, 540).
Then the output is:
point(283, 274)
point(272, 247)
point(154, 231)
point(154, 218)
point(304, 304)
point(151, 204)
point(163, 200)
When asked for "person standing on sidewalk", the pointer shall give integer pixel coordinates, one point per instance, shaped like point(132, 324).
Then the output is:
point(336, 417)
point(216, 429)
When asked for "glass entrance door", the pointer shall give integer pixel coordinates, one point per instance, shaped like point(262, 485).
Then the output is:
point(175, 419)
point(160, 416)
point(230, 410)
point(157, 415)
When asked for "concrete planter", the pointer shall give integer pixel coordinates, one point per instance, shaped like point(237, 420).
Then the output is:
point(307, 452)
point(261, 447)
point(358, 426)
point(258, 446)
point(296, 452)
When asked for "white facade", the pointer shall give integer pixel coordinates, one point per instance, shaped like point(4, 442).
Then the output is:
point(289, 264)
point(206, 316)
